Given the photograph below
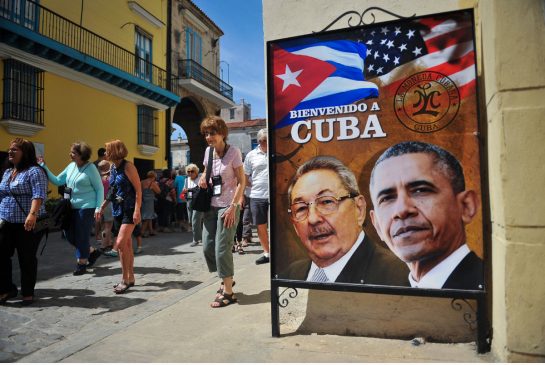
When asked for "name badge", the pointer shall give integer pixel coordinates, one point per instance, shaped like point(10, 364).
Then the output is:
point(216, 183)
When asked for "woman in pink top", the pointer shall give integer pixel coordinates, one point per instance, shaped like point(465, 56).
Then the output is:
point(227, 181)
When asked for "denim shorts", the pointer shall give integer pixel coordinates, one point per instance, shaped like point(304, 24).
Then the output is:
point(260, 210)
point(126, 218)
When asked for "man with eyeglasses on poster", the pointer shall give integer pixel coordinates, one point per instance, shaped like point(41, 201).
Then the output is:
point(420, 209)
point(327, 212)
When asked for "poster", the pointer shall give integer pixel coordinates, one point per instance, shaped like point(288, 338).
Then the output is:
point(374, 155)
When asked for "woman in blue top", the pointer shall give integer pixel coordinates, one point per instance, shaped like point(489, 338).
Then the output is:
point(86, 192)
point(22, 192)
point(125, 193)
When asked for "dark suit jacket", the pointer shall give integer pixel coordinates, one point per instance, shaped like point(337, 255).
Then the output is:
point(467, 275)
point(370, 264)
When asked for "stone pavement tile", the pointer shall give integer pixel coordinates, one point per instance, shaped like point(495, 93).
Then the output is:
point(191, 331)
point(67, 305)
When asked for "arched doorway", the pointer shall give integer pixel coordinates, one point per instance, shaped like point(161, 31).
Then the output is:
point(188, 115)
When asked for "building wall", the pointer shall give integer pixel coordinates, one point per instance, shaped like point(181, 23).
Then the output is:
point(183, 15)
point(240, 112)
point(179, 151)
point(514, 79)
point(75, 111)
point(117, 22)
point(509, 39)
point(242, 138)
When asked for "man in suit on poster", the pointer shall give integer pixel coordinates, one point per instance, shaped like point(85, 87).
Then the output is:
point(420, 209)
point(327, 212)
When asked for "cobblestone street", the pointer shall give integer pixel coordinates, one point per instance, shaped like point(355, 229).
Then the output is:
point(166, 271)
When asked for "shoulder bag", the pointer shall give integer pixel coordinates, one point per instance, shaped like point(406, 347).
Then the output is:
point(201, 198)
point(42, 222)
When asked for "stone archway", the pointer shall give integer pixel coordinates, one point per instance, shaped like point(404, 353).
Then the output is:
point(188, 114)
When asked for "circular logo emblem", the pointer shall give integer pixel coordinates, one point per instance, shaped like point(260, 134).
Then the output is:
point(427, 102)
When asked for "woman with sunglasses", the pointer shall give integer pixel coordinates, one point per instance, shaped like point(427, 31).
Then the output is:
point(22, 194)
point(227, 181)
point(195, 217)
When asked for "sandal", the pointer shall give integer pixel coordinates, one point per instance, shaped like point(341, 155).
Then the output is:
point(220, 290)
point(240, 250)
point(122, 288)
point(234, 248)
point(224, 300)
point(129, 284)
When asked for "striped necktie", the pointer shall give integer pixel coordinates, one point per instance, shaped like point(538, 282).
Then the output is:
point(319, 276)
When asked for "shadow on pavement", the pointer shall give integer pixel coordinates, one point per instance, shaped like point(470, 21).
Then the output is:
point(113, 271)
point(82, 298)
point(263, 297)
point(252, 252)
point(58, 258)
point(183, 285)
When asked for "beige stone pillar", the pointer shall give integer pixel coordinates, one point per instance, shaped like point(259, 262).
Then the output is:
point(513, 44)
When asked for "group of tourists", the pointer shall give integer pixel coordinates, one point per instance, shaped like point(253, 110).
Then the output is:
point(109, 195)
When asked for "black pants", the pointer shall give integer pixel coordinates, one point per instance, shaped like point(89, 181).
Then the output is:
point(14, 237)
point(164, 212)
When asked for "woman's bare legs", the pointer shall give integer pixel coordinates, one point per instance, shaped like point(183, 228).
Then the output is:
point(126, 255)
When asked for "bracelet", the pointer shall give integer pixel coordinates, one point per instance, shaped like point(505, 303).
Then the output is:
point(34, 213)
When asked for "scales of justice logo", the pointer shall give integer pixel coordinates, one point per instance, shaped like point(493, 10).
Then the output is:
point(427, 102)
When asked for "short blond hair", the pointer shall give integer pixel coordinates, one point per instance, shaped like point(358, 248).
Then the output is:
point(191, 166)
point(116, 150)
point(151, 173)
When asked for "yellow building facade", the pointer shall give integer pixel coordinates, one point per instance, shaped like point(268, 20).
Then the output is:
point(88, 71)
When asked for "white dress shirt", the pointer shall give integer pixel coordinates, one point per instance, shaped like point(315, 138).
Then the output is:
point(334, 270)
point(436, 277)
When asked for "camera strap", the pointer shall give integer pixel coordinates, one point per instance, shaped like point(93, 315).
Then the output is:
point(209, 165)
point(77, 176)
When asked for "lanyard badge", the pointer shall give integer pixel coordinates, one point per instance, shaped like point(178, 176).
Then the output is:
point(216, 184)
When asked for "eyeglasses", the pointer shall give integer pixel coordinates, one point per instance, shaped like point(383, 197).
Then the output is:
point(210, 133)
point(325, 204)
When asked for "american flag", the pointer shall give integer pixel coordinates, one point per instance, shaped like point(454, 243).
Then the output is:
point(443, 44)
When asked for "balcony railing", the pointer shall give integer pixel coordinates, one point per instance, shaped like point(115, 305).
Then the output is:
point(56, 27)
point(189, 69)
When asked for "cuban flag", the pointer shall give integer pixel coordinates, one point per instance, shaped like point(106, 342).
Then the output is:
point(317, 75)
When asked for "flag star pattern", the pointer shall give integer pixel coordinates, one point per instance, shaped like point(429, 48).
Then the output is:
point(318, 74)
point(441, 44)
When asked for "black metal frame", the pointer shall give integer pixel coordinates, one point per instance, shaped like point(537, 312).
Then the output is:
point(483, 336)
point(147, 126)
point(58, 28)
point(23, 94)
point(191, 69)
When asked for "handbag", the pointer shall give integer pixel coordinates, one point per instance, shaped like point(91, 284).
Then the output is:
point(42, 222)
point(201, 198)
